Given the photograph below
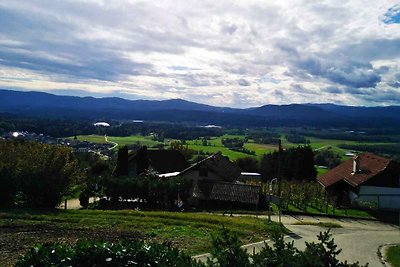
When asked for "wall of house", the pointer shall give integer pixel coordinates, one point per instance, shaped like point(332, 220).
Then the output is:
point(195, 176)
point(378, 197)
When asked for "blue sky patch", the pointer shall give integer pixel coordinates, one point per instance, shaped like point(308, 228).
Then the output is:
point(392, 16)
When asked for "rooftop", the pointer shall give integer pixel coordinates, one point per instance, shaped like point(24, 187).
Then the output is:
point(369, 166)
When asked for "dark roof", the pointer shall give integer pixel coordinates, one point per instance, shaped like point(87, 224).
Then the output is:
point(220, 165)
point(163, 161)
point(369, 166)
point(167, 160)
point(230, 192)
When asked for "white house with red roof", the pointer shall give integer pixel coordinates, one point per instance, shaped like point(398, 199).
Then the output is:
point(365, 180)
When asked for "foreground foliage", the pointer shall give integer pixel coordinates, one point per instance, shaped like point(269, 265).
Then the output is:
point(226, 252)
point(106, 254)
point(189, 232)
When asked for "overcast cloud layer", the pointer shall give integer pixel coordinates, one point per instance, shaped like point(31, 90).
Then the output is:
point(225, 53)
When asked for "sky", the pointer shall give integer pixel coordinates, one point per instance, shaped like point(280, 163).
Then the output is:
point(223, 53)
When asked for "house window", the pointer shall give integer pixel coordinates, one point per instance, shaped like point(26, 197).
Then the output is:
point(203, 172)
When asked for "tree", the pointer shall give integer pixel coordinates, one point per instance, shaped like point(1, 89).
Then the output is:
point(248, 164)
point(122, 168)
point(293, 163)
point(41, 173)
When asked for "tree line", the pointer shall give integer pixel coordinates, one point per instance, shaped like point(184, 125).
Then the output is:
point(289, 164)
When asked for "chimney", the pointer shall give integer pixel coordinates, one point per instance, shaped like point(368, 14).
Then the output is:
point(356, 164)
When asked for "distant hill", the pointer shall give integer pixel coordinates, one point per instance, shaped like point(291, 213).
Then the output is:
point(53, 106)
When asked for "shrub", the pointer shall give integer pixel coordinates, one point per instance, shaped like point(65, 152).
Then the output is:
point(106, 254)
point(226, 252)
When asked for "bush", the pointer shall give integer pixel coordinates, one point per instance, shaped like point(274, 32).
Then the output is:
point(106, 254)
point(226, 252)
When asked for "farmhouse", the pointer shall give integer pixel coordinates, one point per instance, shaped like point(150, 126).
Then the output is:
point(365, 180)
point(215, 182)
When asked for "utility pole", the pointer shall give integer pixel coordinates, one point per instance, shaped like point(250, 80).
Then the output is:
point(269, 197)
point(279, 179)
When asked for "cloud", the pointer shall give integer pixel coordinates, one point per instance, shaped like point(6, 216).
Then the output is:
point(395, 82)
point(243, 82)
point(281, 52)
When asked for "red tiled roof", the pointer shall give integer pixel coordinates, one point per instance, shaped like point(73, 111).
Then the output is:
point(369, 166)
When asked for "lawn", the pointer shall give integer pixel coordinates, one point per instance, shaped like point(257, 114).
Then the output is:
point(393, 256)
point(190, 232)
point(338, 212)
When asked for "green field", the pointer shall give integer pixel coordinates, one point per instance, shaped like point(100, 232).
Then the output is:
point(190, 232)
point(393, 256)
point(215, 145)
point(121, 141)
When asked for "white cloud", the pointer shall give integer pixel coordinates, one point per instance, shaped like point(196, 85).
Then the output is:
point(240, 53)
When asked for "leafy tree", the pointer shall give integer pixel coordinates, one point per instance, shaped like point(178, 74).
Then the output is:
point(122, 168)
point(41, 173)
point(326, 157)
point(248, 164)
point(182, 147)
point(293, 163)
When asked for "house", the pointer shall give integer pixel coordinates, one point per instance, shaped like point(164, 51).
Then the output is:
point(365, 180)
point(161, 161)
point(215, 180)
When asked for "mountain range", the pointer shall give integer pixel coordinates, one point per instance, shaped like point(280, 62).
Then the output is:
point(39, 104)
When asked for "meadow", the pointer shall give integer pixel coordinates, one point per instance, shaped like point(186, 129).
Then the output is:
point(214, 145)
point(191, 232)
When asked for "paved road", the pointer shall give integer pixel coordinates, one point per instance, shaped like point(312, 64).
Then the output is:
point(358, 239)
point(115, 144)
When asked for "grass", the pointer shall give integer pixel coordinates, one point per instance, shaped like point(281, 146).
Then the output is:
point(338, 212)
point(321, 171)
point(121, 141)
point(215, 144)
point(190, 232)
point(393, 256)
point(320, 224)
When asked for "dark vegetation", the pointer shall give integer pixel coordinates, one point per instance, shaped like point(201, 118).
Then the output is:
point(148, 190)
point(263, 136)
point(297, 139)
point(34, 174)
point(388, 150)
point(106, 254)
point(71, 127)
point(326, 157)
point(236, 144)
point(226, 252)
point(289, 164)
